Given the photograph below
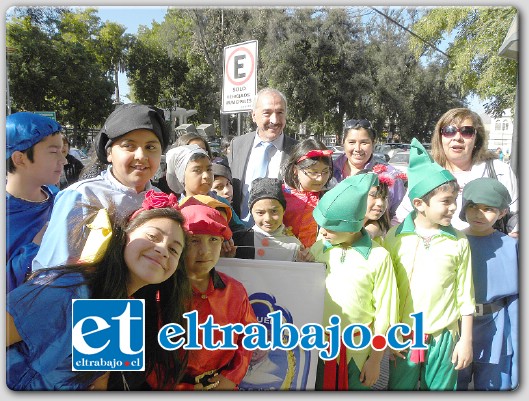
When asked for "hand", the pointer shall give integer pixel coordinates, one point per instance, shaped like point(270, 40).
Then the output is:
point(370, 372)
point(218, 382)
point(462, 355)
point(37, 239)
point(373, 230)
point(101, 383)
point(304, 255)
point(225, 384)
point(228, 249)
point(398, 354)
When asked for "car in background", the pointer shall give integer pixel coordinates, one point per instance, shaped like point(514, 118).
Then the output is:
point(400, 160)
point(79, 155)
point(161, 170)
point(337, 148)
point(336, 151)
point(390, 148)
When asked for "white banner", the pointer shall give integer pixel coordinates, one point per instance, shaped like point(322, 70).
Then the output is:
point(240, 77)
point(295, 288)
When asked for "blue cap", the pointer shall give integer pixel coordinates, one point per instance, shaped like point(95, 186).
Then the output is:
point(25, 129)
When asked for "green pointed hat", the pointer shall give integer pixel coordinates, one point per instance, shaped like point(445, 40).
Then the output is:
point(424, 174)
point(343, 208)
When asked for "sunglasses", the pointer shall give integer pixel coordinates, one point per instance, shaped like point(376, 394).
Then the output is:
point(466, 131)
point(357, 124)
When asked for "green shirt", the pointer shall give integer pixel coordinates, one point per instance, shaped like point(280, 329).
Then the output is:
point(360, 287)
point(435, 279)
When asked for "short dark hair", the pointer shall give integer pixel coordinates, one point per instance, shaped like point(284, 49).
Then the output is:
point(187, 137)
point(447, 186)
point(30, 153)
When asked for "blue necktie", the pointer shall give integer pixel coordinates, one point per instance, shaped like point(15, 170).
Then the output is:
point(262, 160)
point(262, 163)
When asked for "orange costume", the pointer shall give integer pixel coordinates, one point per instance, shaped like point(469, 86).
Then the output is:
point(227, 301)
point(298, 214)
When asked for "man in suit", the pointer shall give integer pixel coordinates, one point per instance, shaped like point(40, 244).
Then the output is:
point(269, 113)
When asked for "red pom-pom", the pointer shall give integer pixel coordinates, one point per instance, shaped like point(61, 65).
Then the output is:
point(380, 168)
point(402, 176)
point(157, 200)
point(386, 179)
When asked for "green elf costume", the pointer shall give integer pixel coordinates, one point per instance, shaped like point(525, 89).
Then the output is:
point(360, 283)
point(434, 276)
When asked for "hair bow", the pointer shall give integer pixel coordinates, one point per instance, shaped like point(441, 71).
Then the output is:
point(156, 200)
point(315, 153)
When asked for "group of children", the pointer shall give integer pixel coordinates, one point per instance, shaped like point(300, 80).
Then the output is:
point(164, 247)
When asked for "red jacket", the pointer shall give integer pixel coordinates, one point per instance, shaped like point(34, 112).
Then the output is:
point(227, 301)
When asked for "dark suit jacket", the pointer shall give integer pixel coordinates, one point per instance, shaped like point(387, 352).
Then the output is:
point(240, 149)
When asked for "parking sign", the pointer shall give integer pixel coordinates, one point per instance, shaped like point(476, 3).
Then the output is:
point(108, 334)
point(240, 77)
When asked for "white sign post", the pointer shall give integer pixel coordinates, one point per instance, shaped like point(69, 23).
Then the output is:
point(240, 77)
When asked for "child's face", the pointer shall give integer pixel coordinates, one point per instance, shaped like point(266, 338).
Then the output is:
point(337, 237)
point(202, 254)
point(152, 252)
point(65, 148)
point(440, 210)
point(376, 205)
point(198, 177)
point(48, 161)
point(135, 157)
point(222, 186)
point(268, 214)
point(481, 218)
point(314, 177)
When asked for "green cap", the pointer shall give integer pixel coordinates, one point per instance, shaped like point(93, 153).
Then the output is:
point(343, 208)
point(486, 191)
point(424, 174)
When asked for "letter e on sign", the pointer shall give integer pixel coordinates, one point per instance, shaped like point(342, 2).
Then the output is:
point(108, 334)
point(240, 77)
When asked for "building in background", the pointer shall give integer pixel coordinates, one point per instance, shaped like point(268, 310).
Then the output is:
point(500, 131)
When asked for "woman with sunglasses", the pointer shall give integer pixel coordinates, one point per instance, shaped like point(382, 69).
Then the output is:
point(460, 144)
point(358, 143)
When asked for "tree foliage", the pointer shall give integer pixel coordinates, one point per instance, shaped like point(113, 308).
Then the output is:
point(473, 61)
point(54, 66)
point(409, 96)
point(332, 63)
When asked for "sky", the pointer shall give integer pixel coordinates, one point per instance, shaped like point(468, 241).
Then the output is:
point(133, 17)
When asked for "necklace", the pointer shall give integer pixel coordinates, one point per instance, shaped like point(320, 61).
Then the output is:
point(426, 241)
point(32, 201)
point(344, 252)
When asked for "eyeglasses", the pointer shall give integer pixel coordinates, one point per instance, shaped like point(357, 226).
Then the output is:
point(356, 124)
point(315, 175)
point(466, 131)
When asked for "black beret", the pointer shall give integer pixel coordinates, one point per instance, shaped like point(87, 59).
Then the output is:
point(129, 117)
point(267, 188)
